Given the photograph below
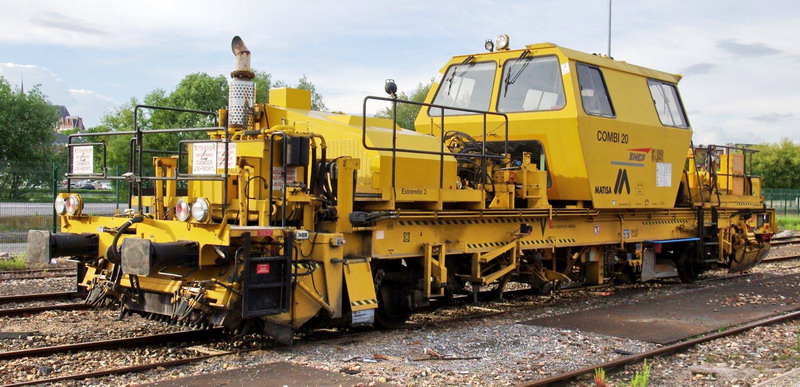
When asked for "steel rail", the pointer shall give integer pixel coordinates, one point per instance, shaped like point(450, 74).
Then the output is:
point(128, 369)
point(561, 378)
point(28, 277)
point(29, 271)
point(113, 343)
point(38, 309)
point(777, 259)
point(40, 297)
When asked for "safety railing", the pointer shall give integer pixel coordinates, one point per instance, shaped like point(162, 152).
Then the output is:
point(441, 153)
point(135, 175)
point(711, 155)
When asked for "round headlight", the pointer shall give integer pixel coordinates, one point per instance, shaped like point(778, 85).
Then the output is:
point(489, 45)
point(200, 210)
point(502, 42)
point(60, 205)
point(74, 205)
point(182, 210)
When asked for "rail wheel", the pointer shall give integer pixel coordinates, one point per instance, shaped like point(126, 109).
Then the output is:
point(688, 270)
point(392, 311)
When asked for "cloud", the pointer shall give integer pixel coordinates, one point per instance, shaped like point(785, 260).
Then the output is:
point(88, 104)
point(698, 69)
point(65, 23)
point(772, 117)
point(752, 49)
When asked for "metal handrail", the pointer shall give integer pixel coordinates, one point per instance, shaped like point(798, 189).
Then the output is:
point(137, 152)
point(441, 153)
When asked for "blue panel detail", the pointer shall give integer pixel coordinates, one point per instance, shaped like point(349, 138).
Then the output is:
point(675, 240)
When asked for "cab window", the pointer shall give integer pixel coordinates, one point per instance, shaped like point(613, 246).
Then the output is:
point(668, 104)
point(531, 84)
point(466, 86)
point(594, 94)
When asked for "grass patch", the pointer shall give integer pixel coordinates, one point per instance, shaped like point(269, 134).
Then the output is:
point(15, 263)
point(789, 222)
point(642, 378)
point(600, 377)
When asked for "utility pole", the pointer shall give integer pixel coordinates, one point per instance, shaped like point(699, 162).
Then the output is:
point(609, 28)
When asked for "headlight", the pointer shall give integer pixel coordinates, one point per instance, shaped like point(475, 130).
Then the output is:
point(74, 205)
point(502, 42)
point(200, 210)
point(60, 205)
point(182, 210)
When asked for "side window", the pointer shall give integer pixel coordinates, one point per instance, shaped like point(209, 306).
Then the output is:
point(531, 84)
point(668, 104)
point(594, 94)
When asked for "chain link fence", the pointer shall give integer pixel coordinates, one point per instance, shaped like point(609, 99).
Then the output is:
point(785, 201)
point(27, 193)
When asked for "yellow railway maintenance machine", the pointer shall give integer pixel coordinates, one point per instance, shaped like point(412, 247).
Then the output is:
point(542, 165)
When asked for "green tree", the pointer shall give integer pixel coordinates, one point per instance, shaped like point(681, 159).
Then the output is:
point(27, 121)
point(198, 91)
point(407, 113)
point(778, 164)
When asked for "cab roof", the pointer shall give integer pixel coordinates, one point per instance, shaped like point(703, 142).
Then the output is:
point(593, 59)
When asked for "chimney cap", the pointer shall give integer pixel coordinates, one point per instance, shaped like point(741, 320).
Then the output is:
point(238, 46)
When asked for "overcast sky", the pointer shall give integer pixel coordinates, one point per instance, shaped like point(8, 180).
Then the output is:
point(740, 59)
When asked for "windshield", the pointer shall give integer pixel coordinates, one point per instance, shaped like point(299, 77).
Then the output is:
point(467, 86)
point(531, 84)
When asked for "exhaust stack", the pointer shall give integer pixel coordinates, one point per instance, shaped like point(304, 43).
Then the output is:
point(241, 88)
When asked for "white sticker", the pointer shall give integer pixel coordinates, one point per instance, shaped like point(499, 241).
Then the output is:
point(626, 234)
point(565, 68)
point(204, 158)
point(379, 234)
point(83, 160)
point(277, 177)
point(663, 174)
point(208, 158)
point(231, 155)
point(596, 229)
point(438, 78)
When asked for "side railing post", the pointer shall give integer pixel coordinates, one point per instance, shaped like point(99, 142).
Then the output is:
point(55, 192)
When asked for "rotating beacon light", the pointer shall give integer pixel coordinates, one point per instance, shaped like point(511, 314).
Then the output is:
point(241, 87)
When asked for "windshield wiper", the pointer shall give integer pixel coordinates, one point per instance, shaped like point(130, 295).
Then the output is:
point(510, 79)
point(455, 70)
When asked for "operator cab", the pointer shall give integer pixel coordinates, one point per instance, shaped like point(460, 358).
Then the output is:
point(610, 134)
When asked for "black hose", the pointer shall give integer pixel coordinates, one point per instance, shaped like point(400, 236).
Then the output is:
point(113, 250)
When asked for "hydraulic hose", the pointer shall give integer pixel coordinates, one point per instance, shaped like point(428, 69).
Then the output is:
point(113, 250)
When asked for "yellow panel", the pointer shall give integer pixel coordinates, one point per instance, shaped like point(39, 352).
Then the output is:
point(360, 287)
point(290, 98)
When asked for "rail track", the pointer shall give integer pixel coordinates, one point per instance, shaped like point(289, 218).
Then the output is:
point(192, 335)
point(609, 365)
point(31, 277)
point(42, 270)
point(42, 308)
point(483, 313)
point(41, 297)
point(782, 241)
